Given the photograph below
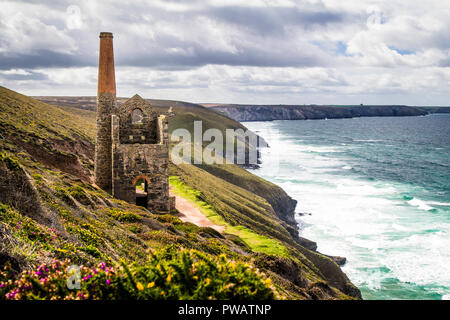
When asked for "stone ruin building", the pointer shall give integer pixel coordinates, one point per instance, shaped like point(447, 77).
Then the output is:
point(132, 147)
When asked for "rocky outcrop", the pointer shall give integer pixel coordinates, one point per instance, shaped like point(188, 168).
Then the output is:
point(287, 272)
point(293, 112)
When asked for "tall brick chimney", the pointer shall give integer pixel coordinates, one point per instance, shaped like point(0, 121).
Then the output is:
point(106, 105)
point(106, 76)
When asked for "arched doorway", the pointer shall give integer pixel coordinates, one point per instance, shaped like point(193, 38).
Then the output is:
point(141, 184)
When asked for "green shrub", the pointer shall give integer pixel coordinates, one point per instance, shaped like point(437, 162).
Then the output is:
point(27, 229)
point(168, 218)
point(135, 228)
point(79, 194)
point(121, 215)
point(11, 164)
point(64, 195)
point(87, 233)
point(187, 227)
point(169, 274)
point(37, 177)
point(93, 251)
point(210, 232)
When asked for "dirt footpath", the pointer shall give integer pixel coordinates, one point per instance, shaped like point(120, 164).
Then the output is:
point(190, 213)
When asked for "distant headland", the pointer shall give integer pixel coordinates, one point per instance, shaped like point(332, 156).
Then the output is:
point(241, 112)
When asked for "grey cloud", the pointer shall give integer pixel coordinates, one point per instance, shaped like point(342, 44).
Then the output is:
point(201, 56)
point(32, 75)
point(445, 63)
point(267, 21)
point(262, 39)
point(43, 59)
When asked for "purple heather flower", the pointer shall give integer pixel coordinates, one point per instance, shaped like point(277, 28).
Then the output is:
point(2, 285)
point(11, 295)
point(108, 282)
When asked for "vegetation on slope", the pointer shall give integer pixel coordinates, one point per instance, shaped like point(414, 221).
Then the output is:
point(255, 241)
point(168, 274)
point(235, 205)
point(51, 211)
point(44, 132)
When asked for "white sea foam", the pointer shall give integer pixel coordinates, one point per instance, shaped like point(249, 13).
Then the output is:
point(382, 236)
point(320, 149)
point(420, 204)
point(444, 204)
point(400, 228)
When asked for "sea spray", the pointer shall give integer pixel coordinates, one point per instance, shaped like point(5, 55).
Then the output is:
point(378, 195)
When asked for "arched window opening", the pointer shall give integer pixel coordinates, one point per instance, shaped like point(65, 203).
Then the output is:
point(137, 116)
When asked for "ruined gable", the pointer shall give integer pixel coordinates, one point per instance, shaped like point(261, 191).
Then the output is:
point(138, 122)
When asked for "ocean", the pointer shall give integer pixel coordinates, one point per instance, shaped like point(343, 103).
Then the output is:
point(374, 190)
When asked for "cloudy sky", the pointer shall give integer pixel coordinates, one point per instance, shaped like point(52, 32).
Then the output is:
point(230, 51)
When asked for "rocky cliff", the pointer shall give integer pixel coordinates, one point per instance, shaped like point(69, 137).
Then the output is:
point(295, 112)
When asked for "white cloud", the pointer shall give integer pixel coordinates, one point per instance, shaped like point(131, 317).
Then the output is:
point(74, 20)
point(310, 51)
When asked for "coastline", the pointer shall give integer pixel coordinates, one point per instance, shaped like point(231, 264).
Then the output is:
point(316, 112)
point(288, 211)
point(393, 215)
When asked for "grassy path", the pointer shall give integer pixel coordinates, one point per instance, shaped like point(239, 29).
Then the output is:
point(257, 242)
point(189, 212)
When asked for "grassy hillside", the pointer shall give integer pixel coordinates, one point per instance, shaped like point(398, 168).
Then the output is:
point(49, 210)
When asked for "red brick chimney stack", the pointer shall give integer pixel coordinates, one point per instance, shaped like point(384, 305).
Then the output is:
point(106, 74)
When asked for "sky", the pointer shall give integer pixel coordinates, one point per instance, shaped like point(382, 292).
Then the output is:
point(230, 51)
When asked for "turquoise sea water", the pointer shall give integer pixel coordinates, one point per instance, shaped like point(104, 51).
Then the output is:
point(378, 190)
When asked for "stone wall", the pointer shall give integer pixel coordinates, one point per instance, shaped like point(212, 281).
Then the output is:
point(134, 159)
point(106, 103)
point(143, 132)
point(149, 161)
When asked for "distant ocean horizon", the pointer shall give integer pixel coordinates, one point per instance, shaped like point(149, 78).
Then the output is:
point(378, 193)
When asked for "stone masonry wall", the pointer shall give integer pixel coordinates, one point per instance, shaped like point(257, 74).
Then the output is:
point(106, 103)
point(134, 159)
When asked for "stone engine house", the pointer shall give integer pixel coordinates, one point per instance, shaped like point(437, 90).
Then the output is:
point(132, 147)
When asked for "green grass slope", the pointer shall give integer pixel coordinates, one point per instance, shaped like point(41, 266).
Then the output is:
point(50, 211)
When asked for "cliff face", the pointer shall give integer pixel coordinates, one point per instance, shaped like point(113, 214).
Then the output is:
point(288, 112)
